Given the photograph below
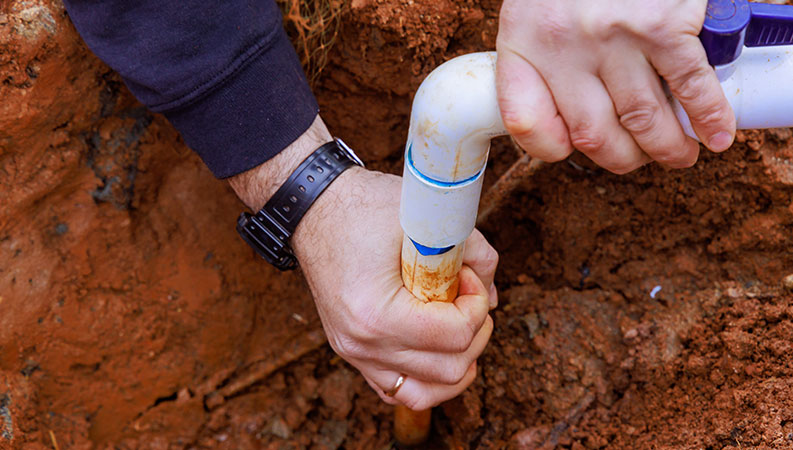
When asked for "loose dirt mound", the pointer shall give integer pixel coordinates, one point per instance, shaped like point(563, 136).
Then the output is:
point(642, 311)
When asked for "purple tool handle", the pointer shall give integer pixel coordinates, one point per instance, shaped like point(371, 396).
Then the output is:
point(732, 24)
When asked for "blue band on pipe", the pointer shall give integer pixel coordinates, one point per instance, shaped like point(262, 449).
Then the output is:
point(429, 251)
point(432, 180)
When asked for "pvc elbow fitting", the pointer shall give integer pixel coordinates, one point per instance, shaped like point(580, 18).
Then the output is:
point(455, 114)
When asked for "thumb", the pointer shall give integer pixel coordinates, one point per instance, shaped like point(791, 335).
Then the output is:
point(528, 109)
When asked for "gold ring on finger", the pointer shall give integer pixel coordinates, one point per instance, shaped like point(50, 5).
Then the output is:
point(399, 382)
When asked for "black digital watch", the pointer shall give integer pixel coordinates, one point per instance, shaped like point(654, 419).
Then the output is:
point(268, 231)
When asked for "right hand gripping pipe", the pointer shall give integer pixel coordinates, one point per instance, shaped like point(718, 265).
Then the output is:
point(455, 114)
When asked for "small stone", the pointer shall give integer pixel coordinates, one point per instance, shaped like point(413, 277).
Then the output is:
point(61, 229)
point(697, 365)
point(628, 363)
point(184, 396)
point(787, 282)
point(279, 428)
point(251, 427)
point(531, 437)
point(740, 343)
point(631, 334)
point(336, 391)
point(533, 323)
point(332, 434)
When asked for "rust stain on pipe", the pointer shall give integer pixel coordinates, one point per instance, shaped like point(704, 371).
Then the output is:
point(431, 278)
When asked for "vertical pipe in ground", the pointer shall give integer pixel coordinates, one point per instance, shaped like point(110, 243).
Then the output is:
point(431, 278)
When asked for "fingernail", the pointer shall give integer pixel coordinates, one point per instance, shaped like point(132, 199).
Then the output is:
point(720, 141)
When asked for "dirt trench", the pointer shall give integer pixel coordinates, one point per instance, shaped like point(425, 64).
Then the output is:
point(643, 311)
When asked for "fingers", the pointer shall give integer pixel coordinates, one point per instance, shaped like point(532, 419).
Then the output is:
point(528, 110)
point(482, 258)
point(437, 367)
point(693, 82)
point(434, 376)
point(493, 296)
point(644, 111)
point(594, 127)
point(417, 394)
point(438, 326)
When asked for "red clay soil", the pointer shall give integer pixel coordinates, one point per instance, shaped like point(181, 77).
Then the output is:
point(642, 311)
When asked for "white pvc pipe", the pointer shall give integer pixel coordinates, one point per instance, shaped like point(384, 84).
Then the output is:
point(455, 114)
point(759, 86)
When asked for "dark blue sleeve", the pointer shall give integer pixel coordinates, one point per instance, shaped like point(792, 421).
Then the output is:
point(223, 72)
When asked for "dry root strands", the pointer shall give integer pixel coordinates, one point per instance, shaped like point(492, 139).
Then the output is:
point(314, 28)
point(520, 171)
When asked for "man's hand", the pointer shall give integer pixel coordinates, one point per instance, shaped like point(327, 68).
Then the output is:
point(585, 74)
point(348, 245)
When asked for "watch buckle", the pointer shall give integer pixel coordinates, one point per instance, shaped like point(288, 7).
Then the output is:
point(346, 149)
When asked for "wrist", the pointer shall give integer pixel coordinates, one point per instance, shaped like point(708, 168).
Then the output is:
point(255, 187)
point(317, 227)
point(323, 221)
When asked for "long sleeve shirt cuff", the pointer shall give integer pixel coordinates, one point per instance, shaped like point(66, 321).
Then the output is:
point(259, 106)
point(224, 73)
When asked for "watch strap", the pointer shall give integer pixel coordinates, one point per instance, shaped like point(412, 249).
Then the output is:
point(263, 237)
point(291, 201)
point(269, 230)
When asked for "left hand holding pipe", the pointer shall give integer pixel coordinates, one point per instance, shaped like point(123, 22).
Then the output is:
point(585, 74)
point(349, 248)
